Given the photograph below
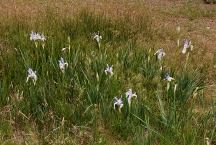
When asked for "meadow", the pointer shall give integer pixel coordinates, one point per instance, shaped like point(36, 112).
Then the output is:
point(90, 72)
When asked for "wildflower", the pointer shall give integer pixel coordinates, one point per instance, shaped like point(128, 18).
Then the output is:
point(42, 37)
point(168, 78)
point(98, 38)
point(187, 44)
point(36, 36)
point(159, 54)
point(62, 64)
point(109, 70)
point(33, 36)
point(118, 103)
point(129, 95)
point(32, 75)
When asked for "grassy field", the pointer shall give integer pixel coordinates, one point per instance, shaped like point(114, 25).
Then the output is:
point(109, 48)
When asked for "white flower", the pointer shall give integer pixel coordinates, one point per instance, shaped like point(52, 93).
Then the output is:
point(168, 78)
point(160, 53)
point(43, 38)
point(109, 70)
point(187, 44)
point(33, 36)
point(62, 64)
point(32, 75)
point(129, 95)
point(118, 103)
point(36, 36)
point(98, 38)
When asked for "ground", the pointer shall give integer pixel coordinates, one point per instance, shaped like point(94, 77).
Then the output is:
point(201, 29)
point(196, 20)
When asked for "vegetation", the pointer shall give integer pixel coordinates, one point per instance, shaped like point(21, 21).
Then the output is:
point(210, 1)
point(75, 104)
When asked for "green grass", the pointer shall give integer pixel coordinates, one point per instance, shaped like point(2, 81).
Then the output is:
point(73, 107)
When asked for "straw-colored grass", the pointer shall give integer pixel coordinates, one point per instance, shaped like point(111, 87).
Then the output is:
point(76, 107)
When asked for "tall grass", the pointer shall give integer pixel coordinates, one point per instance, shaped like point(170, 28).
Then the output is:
point(75, 106)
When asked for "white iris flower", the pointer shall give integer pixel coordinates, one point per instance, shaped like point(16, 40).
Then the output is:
point(62, 64)
point(31, 75)
point(98, 38)
point(129, 95)
point(160, 54)
point(168, 78)
point(118, 103)
point(109, 70)
point(36, 36)
point(186, 46)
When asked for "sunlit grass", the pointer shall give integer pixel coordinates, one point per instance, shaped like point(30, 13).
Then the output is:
point(79, 75)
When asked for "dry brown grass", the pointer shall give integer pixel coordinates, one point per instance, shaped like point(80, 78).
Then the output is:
point(165, 16)
point(31, 9)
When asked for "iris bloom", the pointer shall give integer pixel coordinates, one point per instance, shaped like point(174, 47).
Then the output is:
point(98, 38)
point(62, 64)
point(109, 70)
point(33, 36)
point(159, 54)
point(129, 95)
point(187, 44)
point(118, 103)
point(43, 38)
point(36, 36)
point(168, 78)
point(31, 75)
